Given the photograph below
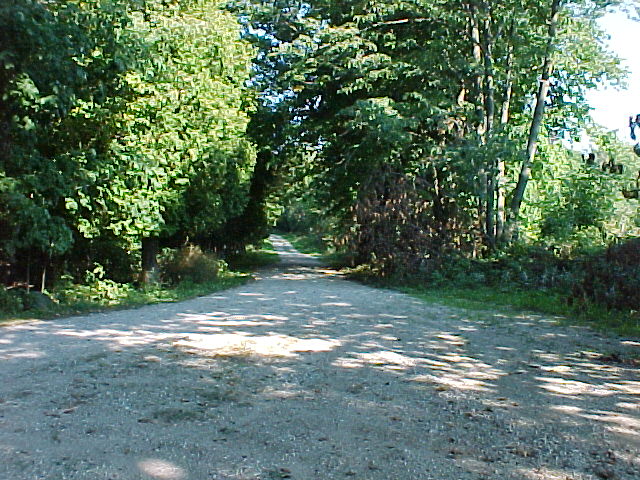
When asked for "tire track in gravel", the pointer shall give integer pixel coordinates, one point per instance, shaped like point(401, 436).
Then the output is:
point(305, 375)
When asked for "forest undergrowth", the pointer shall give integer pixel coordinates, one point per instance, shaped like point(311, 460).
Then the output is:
point(184, 274)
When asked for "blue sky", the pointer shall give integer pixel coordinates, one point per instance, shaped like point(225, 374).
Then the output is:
point(612, 108)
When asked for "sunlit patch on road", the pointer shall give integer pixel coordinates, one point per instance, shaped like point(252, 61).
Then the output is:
point(161, 469)
point(242, 344)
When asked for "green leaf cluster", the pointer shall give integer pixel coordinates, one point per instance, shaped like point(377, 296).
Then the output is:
point(441, 93)
point(118, 121)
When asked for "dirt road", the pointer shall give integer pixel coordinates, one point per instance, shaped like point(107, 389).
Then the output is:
point(305, 375)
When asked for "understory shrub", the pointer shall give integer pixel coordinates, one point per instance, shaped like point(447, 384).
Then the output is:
point(526, 267)
point(95, 290)
point(611, 279)
point(394, 231)
point(190, 263)
point(10, 302)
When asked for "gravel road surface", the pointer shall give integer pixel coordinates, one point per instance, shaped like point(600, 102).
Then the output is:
point(305, 375)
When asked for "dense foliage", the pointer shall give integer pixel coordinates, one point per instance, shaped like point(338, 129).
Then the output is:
point(410, 133)
point(121, 121)
point(425, 128)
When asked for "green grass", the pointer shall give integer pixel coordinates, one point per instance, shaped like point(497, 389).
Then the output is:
point(106, 295)
point(131, 298)
point(482, 297)
point(255, 257)
point(307, 243)
point(513, 300)
point(267, 246)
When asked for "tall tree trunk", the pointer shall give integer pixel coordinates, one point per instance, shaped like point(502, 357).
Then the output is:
point(489, 113)
point(150, 270)
point(481, 127)
point(251, 224)
point(508, 83)
point(536, 123)
point(504, 119)
point(43, 278)
point(29, 271)
point(474, 28)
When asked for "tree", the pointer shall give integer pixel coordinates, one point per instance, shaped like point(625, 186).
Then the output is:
point(443, 92)
point(122, 125)
point(56, 58)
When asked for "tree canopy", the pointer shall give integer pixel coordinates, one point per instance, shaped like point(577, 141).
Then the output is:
point(452, 104)
point(413, 128)
point(120, 122)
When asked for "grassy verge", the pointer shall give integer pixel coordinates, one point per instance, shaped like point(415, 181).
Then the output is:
point(105, 295)
point(491, 298)
point(129, 297)
point(309, 244)
point(553, 302)
point(255, 257)
point(488, 298)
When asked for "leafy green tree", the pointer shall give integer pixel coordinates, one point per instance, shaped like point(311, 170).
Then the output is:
point(56, 58)
point(184, 131)
point(119, 123)
point(450, 93)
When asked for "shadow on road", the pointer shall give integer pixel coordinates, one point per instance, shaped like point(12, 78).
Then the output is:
point(305, 375)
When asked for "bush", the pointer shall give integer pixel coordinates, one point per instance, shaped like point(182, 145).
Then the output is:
point(95, 290)
point(394, 233)
point(520, 267)
point(10, 302)
point(190, 263)
point(19, 299)
point(611, 279)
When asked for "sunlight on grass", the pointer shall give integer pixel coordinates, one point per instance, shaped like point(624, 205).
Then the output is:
point(550, 302)
point(255, 257)
point(133, 298)
point(308, 244)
